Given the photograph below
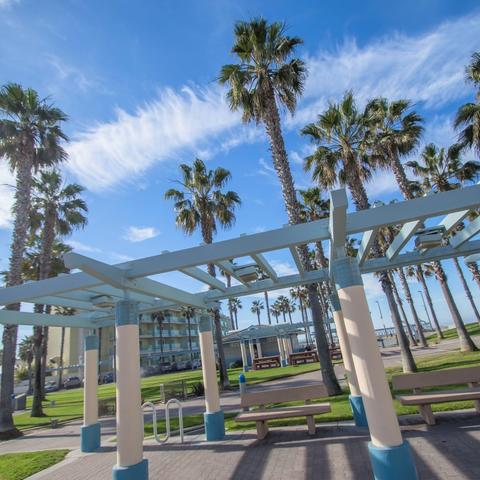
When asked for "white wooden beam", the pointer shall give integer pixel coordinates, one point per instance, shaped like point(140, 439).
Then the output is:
point(297, 260)
point(262, 262)
point(338, 223)
point(472, 229)
point(228, 267)
point(366, 243)
point(10, 317)
point(453, 219)
point(402, 238)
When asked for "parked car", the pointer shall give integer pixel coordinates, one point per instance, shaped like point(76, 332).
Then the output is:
point(72, 382)
point(196, 363)
point(51, 386)
point(107, 378)
point(165, 367)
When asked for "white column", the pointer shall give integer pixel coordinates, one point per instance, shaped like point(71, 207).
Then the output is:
point(286, 347)
point(129, 412)
point(372, 381)
point(213, 416)
point(243, 351)
point(252, 351)
point(280, 350)
point(259, 349)
point(90, 431)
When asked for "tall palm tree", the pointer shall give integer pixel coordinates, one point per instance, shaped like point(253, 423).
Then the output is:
point(57, 210)
point(274, 310)
point(419, 272)
point(467, 119)
point(282, 305)
point(301, 294)
point(236, 304)
point(411, 337)
point(266, 77)
point(25, 353)
point(340, 135)
point(189, 313)
point(202, 204)
point(228, 277)
point(267, 307)
point(441, 171)
point(30, 137)
point(473, 267)
point(466, 288)
point(256, 308)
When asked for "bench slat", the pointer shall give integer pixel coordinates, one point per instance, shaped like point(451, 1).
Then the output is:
point(439, 397)
point(440, 378)
point(281, 395)
point(284, 412)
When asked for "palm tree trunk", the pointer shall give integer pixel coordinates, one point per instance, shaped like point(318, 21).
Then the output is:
point(290, 317)
point(267, 306)
point(303, 318)
point(421, 278)
point(282, 168)
point(230, 310)
point(29, 367)
point(236, 318)
point(284, 317)
point(473, 267)
point(190, 340)
point(413, 342)
point(466, 343)
point(258, 317)
point(60, 363)
point(466, 288)
point(408, 296)
point(17, 248)
point(100, 331)
point(44, 358)
point(37, 410)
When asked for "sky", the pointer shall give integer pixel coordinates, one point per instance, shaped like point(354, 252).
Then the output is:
point(138, 82)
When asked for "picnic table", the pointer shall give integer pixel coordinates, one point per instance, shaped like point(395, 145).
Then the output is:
point(266, 362)
point(297, 358)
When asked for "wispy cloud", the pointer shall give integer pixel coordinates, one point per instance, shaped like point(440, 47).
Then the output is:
point(428, 68)
point(82, 247)
point(8, 3)
point(139, 234)
point(66, 72)
point(121, 150)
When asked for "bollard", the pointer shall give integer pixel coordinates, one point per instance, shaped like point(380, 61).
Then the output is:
point(242, 384)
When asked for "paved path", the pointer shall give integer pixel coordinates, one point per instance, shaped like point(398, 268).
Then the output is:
point(447, 451)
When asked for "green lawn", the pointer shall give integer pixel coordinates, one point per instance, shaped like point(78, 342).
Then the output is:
point(451, 333)
point(340, 405)
point(69, 403)
point(17, 466)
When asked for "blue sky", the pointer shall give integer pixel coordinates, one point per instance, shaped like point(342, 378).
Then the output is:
point(138, 83)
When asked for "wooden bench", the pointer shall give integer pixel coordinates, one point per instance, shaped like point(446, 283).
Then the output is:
point(262, 398)
point(297, 358)
point(266, 362)
point(335, 353)
point(456, 376)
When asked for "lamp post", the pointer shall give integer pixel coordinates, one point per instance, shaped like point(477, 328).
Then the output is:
point(381, 316)
point(425, 307)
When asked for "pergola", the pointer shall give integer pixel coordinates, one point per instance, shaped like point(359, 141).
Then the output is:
point(115, 294)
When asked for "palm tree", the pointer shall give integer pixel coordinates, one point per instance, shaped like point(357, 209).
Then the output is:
point(202, 204)
point(30, 137)
point(282, 306)
point(468, 115)
point(257, 307)
point(236, 304)
point(442, 171)
point(301, 294)
point(275, 312)
point(267, 307)
point(228, 277)
point(25, 353)
point(419, 272)
point(473, 267)
point(57, 210)
point(466, 288)
point(266, 78)
point(189, 313)
point(159, 317)
point(340, 134)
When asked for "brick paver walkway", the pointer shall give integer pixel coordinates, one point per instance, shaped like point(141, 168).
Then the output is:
point(449, 450)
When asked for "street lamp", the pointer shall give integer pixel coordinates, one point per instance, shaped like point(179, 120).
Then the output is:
point(425, 307)
point(381, 316)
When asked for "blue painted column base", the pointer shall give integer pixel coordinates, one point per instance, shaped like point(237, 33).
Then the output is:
point(214, 426)
point(393, 463)
point(358, 410)
point(139, 471)
point(284, 363)
point(90, 438)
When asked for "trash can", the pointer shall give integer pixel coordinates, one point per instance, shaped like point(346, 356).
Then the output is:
point(20, 402)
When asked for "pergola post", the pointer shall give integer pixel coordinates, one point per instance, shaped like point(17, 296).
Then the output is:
point(390, 455)
point(90, 431)
point(214, 419)
point(283, 362)
point(130, 462)
point(286, 347)
point(252, 351)
point(356, 401)
point(243, 351)
point(259, 348)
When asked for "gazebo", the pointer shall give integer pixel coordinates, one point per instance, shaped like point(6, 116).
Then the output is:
point(115, 294)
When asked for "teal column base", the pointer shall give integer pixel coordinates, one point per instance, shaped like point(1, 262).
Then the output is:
point(393, 463)
point(358, 410)
point(90, 438)
point(139, 471)
point(284, 363)
point(214, 426)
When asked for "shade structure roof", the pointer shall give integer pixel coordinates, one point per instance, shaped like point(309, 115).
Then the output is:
point(94, 290)
point(255, 332)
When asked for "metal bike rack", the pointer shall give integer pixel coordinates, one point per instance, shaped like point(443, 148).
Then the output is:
point(167, 419)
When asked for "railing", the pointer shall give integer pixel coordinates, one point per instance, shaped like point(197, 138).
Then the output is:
point(167, 419)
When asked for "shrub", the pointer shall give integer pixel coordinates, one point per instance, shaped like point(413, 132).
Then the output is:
point(198, 389)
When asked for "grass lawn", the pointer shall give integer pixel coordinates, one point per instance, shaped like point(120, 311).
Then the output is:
point(340, 405)
point(451, 333)
point(17, 466)
point(69, 403)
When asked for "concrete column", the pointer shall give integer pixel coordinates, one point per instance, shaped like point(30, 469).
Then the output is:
point(286, 347)
point(283, 362)
point(130, 462)
point(90, 431)
point(252, 351)
point(390, 455)
point(259, 349)
point(356, 401)
point(243, 351)
point(213, 417)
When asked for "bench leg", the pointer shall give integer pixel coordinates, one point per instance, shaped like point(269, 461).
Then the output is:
point(427, 414)
point(311, 425)
point(476, 404)
point(262, 429)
